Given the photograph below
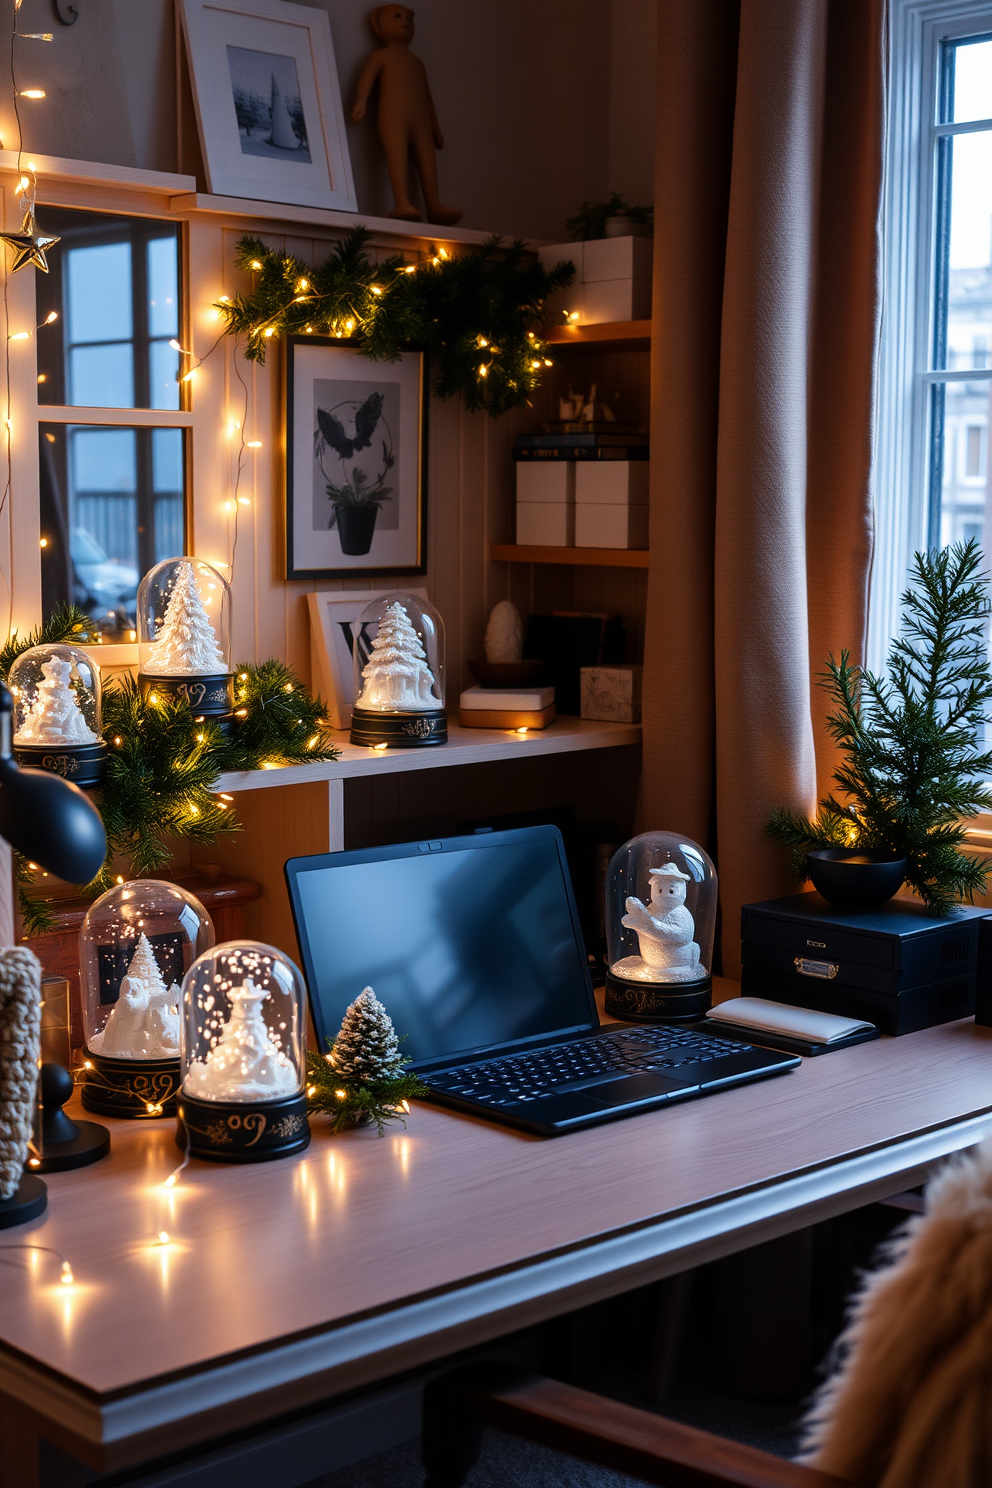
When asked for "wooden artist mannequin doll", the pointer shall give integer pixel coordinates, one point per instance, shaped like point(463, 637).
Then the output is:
point(407, 120)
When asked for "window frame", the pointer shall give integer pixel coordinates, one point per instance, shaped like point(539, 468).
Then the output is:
point(904, 426)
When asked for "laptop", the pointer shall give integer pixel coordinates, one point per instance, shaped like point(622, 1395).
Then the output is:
point(473, 946)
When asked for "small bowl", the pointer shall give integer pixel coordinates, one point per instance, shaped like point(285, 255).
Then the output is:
point(854, 879)
point(508, 673)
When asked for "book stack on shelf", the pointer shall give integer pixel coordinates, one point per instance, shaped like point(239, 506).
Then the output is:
point(582, 484)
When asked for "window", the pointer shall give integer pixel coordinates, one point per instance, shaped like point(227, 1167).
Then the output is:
point(112, 493)
point(935, 382)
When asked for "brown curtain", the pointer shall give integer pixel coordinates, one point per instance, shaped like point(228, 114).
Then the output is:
point(766, 298)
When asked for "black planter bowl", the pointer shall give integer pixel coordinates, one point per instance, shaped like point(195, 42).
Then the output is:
point(854, 879)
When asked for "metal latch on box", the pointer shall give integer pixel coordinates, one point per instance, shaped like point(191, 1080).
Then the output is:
point(826, 970)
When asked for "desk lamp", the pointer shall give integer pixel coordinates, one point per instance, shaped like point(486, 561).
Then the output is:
point(52, 823)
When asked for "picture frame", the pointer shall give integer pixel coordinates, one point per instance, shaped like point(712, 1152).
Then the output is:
point(268, 102)
point(355, 429)
point(332, 619)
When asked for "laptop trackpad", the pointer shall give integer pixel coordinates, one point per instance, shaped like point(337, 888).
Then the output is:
point(628, 1089)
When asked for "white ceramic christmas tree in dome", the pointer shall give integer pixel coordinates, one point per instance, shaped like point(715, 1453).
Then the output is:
point(186, 645)
point(144, 1021)
point(396, 675)
point(54, 717)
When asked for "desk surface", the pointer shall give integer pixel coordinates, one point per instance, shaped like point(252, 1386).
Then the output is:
point(291, 1281)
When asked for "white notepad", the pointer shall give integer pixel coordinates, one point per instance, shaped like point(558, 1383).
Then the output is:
point(779, 1017)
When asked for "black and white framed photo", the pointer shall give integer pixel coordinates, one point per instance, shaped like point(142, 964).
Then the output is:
point(356, 462)
point(268, 102)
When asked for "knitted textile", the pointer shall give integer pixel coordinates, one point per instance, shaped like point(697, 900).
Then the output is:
point(20, 1044)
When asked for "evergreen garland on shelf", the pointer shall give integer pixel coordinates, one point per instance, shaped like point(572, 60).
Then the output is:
point(914, 767)
point(479, 313)
point(364, 1078)
point(163, 766)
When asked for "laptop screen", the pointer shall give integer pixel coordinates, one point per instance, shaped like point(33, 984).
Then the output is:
point(468, 942)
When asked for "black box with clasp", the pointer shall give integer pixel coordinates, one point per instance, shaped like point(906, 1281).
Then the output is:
point(896, 966)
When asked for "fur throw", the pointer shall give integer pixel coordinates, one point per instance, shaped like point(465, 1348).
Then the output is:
point(911, 1404)
point(20, 1044)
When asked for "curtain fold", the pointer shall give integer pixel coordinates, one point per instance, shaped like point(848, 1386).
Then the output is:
point(767, 204)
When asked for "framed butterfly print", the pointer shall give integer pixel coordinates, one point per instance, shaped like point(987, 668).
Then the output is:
point(356, 461)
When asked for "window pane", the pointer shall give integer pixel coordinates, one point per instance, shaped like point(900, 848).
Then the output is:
point(103, 459)
point(101, 376)
point(972, 81)
point(163, 364)
point(163, 287)
point(97, 292)
point(963, 331)
point(959, 463)
point(167, 460)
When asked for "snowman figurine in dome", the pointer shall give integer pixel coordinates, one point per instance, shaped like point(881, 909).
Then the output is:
point(664, 929)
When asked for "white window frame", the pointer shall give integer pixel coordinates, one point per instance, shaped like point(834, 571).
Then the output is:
point(902, 464)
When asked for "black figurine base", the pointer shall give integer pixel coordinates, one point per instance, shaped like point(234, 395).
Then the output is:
point(83, 764)
point(208, 697)
point(30, 1200)
point(398, 730)
point(65, 1143)
point(141, 1089)
point(657, 1002)
point(230, 1131)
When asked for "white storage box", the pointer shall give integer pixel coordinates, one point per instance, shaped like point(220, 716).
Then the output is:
point(612, 279)
point(547, 523)
point(546, 480)
point(611, 694)
point(602, 524)
point(612, 482)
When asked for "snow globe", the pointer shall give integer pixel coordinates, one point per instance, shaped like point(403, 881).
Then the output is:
point(399, 674)
point(135, 946)
point(661, 894)
point(243, 1055)
point(184, 636)
point(56, 692)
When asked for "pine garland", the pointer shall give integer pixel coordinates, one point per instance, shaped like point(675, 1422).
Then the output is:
point(479, 313)
point(363, 1078)
point(912, 769)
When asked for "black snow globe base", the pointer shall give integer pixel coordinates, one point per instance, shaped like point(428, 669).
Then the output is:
point(83, 764)
point(242, 1132)
point(657, 1002)
point(27, 1202)
point(208, 697)
point(141, 1089)
point(398, 730)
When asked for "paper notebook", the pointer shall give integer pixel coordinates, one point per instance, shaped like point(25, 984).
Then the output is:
point(777, 1017)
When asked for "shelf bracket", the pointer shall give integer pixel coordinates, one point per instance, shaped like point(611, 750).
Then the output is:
point(67, 11)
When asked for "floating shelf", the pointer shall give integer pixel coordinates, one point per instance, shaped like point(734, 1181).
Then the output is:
point(626, 335)
point(576, 557)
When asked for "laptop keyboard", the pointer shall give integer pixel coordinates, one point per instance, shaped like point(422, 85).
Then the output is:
point(522, 1077)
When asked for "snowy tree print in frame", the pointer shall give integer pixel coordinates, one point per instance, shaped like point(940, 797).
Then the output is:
point(268, 103)
point(356, 462)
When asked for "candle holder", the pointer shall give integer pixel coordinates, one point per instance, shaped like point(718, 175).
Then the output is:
point(399, 679)
point(135, 945)
point(56, 691)
point(184, 637)
point(243, 1056)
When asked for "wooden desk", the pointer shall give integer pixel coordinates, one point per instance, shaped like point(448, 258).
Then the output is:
point(287, 1284)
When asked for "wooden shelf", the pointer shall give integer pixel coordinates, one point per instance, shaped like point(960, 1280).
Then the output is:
point(574, 557)
point(625, 335)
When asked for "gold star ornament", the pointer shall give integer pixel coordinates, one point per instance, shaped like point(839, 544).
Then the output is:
point(29, 245)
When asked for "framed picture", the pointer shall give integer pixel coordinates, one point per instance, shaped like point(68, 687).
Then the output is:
point(333, 635)
point(268, 104)
point(356, 462)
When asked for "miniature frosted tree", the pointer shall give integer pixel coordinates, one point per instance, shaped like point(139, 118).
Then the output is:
point(55, 717)
point(143, 1022)
point(367, 1048)
point(186, 646)
point(396, 674)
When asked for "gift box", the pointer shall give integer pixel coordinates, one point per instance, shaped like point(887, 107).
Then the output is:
point(611, 694)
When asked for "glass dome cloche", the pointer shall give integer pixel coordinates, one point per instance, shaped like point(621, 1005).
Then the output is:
point(57, 721)
point(661, 894)
point(399, 674)
point(243, 1055)
point(184, 636)
point(135, 946)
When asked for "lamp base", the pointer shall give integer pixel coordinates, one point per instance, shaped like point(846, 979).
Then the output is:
point(657, 1002)
point(242, 1132)
point(30, 1200)
point(141, 1089)
point(398, 730)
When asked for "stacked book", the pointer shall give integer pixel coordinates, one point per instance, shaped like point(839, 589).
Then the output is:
point(507, 708)
point(582, 485)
